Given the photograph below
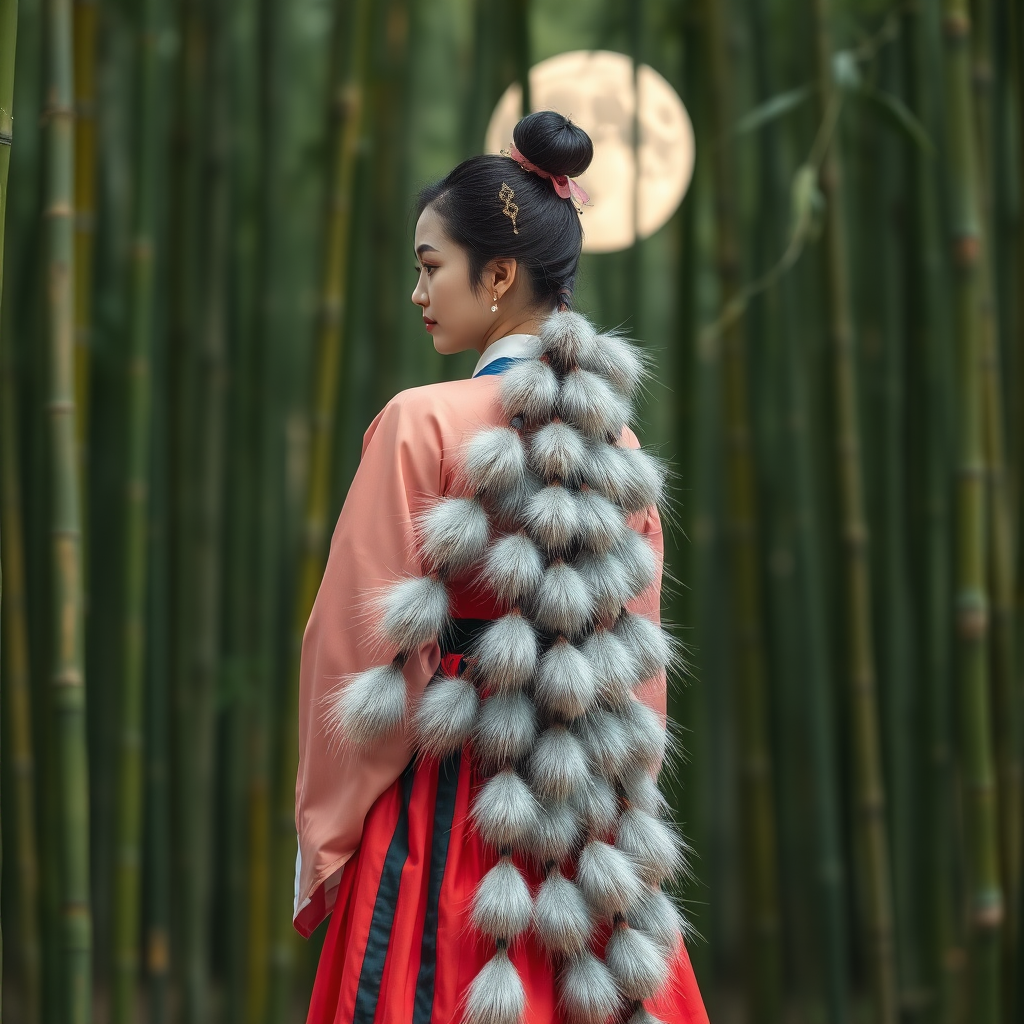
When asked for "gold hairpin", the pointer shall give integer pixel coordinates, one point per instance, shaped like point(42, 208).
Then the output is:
point(506, 195)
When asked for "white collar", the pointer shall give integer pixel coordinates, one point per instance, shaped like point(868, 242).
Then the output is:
point(512, 346)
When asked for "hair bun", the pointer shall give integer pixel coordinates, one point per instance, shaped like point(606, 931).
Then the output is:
point(552, 142)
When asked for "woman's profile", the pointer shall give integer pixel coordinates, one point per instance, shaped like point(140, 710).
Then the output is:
point(482, 694)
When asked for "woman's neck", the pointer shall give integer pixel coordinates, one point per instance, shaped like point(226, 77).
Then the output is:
point(527, 323)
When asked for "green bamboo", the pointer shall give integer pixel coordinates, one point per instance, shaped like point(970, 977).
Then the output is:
point(1001, 559)
point(928, 337)
point(130, 756)
point(759, 854)
point(971, 600)
point(865, 738)
point(198, 750)
point(238, 701)
point(807, 610)
point(20, 754)
point(14, 631)
point(389, 139)
point(350, 52)
point(183, 294)
point(68, 675)
point(270, 79)
point(84, 22)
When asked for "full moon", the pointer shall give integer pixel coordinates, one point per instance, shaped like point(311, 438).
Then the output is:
point(595, 89)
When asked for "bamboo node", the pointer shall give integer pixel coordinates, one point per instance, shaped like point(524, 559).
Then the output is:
point(989, 912)
point(971, 615)
point(966, 250)
point(956, 26)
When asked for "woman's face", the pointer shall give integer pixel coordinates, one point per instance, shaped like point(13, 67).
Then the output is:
point(458, 316)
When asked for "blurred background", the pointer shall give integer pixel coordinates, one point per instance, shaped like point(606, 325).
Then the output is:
point(206, 278)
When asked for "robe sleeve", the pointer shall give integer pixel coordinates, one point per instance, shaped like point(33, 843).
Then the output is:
point(373, 545)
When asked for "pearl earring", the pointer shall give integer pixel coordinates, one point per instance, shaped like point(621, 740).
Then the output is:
point(494, 308)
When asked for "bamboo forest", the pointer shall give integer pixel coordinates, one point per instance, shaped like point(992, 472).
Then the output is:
point(206, 260)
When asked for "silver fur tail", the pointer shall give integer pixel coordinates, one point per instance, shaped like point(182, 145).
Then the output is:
point(548, 705)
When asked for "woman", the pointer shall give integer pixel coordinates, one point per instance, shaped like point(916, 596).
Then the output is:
point(483, 674)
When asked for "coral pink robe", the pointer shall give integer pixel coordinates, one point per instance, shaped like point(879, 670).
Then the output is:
point(384, 839)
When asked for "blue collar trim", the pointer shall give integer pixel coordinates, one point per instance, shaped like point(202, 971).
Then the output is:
point(497, 366)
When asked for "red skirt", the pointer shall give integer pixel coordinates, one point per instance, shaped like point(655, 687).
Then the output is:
point(400, 948)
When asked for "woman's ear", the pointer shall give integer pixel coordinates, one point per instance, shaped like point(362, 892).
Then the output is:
point(502, 274)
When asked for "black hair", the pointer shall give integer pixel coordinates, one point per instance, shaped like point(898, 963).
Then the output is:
point(550, 237)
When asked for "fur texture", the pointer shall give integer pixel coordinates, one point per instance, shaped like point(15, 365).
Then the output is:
point(646, 736)
point(635, 962)
point(496, 995)
point(558, 452)
point(558, 832)
point(637, 559)
point(566, 686)
point(502, 906)
point(561, 916)
point(505, 812)
point(446, 715)
point(495, 461)
point(649, 644)
point(514, 568)
point(614, 669)
point(601, 523)
point(620, 363)
point(641, 791)
point(587, 993)
point(658, 918)
point(553, 518)
point(563, 603)
point(506, 728)
point(607, 582)
point(608, 879)
point(650, 844)
point(529, 389)
point(453, 534)
point(368, 707)
point(567, 338)
point(598, 806)
point(414, 612)
point(642, 480)
point(558, 764)
point(589, 403)
point(605, 740)
point(506, 653)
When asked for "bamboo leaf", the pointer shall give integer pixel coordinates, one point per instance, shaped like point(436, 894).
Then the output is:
point(772, 109)
point(899, 115)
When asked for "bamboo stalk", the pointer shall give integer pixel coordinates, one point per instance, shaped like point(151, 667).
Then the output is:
point(759, 843)
point(10, 527)
point(270, 79)
point(865, 738)
point(20, 755)
point(1001, 558)
point(84, 18)
point(68, 675)
point(347, 103)
point(242, 501)
point(198, 755)
point(183, 287)
point(809, 609)
point(927, 330)
point(971, 601)
point(130, 754)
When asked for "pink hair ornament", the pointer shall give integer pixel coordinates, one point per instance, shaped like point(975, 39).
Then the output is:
point(564, 185)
